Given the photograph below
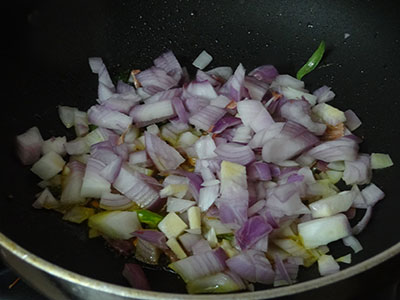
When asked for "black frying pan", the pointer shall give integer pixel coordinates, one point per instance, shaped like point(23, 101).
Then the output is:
point(48, 43)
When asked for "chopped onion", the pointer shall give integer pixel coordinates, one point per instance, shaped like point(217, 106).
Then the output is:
point(253, 266)
point(168, 62)
point(340, 149)
point(67, 115)
point(224, 282)
point(254, 114)
point(71, 193)
point(110, 201)
point(327, 265)
point(154, 80)
point(352, 121)
point(200, 265)
point(358, 171)
point(372, 194)
point(147, 252)
point(56, 144)
point(229, 164)
point(115, 224)
point(202, 60)
point(266, 73)
point(252, 231)
point(352, 242)
point(154, 237)
point(332, 205)
point(145, 114)
point(136, 187)
point(106, 118)
point(233, 152)
point(234, 87)
point(135, 276)
point(380, 161)
point(94, 185)
point(322, 231)
point(221, 72)
point(324, 94)
point(163, 156)
point(29, 146)
point(48, 165)
point(207, 117)
point(360, 226)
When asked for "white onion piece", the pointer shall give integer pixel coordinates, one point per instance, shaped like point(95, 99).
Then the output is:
point(324, 230)
point(329, 114)
point(261, 137)
point(94, 185)
point(154, 80)
point(324, 94)
point(110, 201)
point(372, 194)
point(106, 118)
point(332, 205)
point(115, 224)
point(221, 72)
point(290, 81)
point(198, 266)
point(203, 76)
point(207, 196)
point(327, 265)
point(201, 246)
point(56, 144)
point(253, 266)
point(45, 200)
point(188, 240)
point(202, 60)
point(150, 113)
point(353, 243)
point(178, 205)
point(233, 152)
point(133, 185)
point(207, 117)
point(358, 171)
point(81, 123)
point(299, 111)
point(168, 62)
point(352, 121)
point(67, 115)
point(292, 140)
point(77, 146)
point(254, 115)
point(205, 147)
point(163, 155)
point(48, 165)
point(343, 148)
point(256, 88)
point(71, 193)
point(234, 87)
point(243, 134)
point(360, 226)
point(29, 146)
point(202, 90)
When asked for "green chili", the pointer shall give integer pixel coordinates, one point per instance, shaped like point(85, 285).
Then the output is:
point(312, 62)
point(226, 236)
point(150, 218)
point(92, 127)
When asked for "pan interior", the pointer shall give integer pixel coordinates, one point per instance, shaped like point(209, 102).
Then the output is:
point(46, 65)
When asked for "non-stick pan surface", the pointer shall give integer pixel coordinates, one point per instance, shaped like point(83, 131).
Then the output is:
point(48, 43)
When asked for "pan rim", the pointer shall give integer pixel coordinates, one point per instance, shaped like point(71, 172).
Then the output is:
point(122, 291)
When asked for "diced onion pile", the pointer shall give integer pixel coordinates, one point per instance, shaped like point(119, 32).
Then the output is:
point(230, 176)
